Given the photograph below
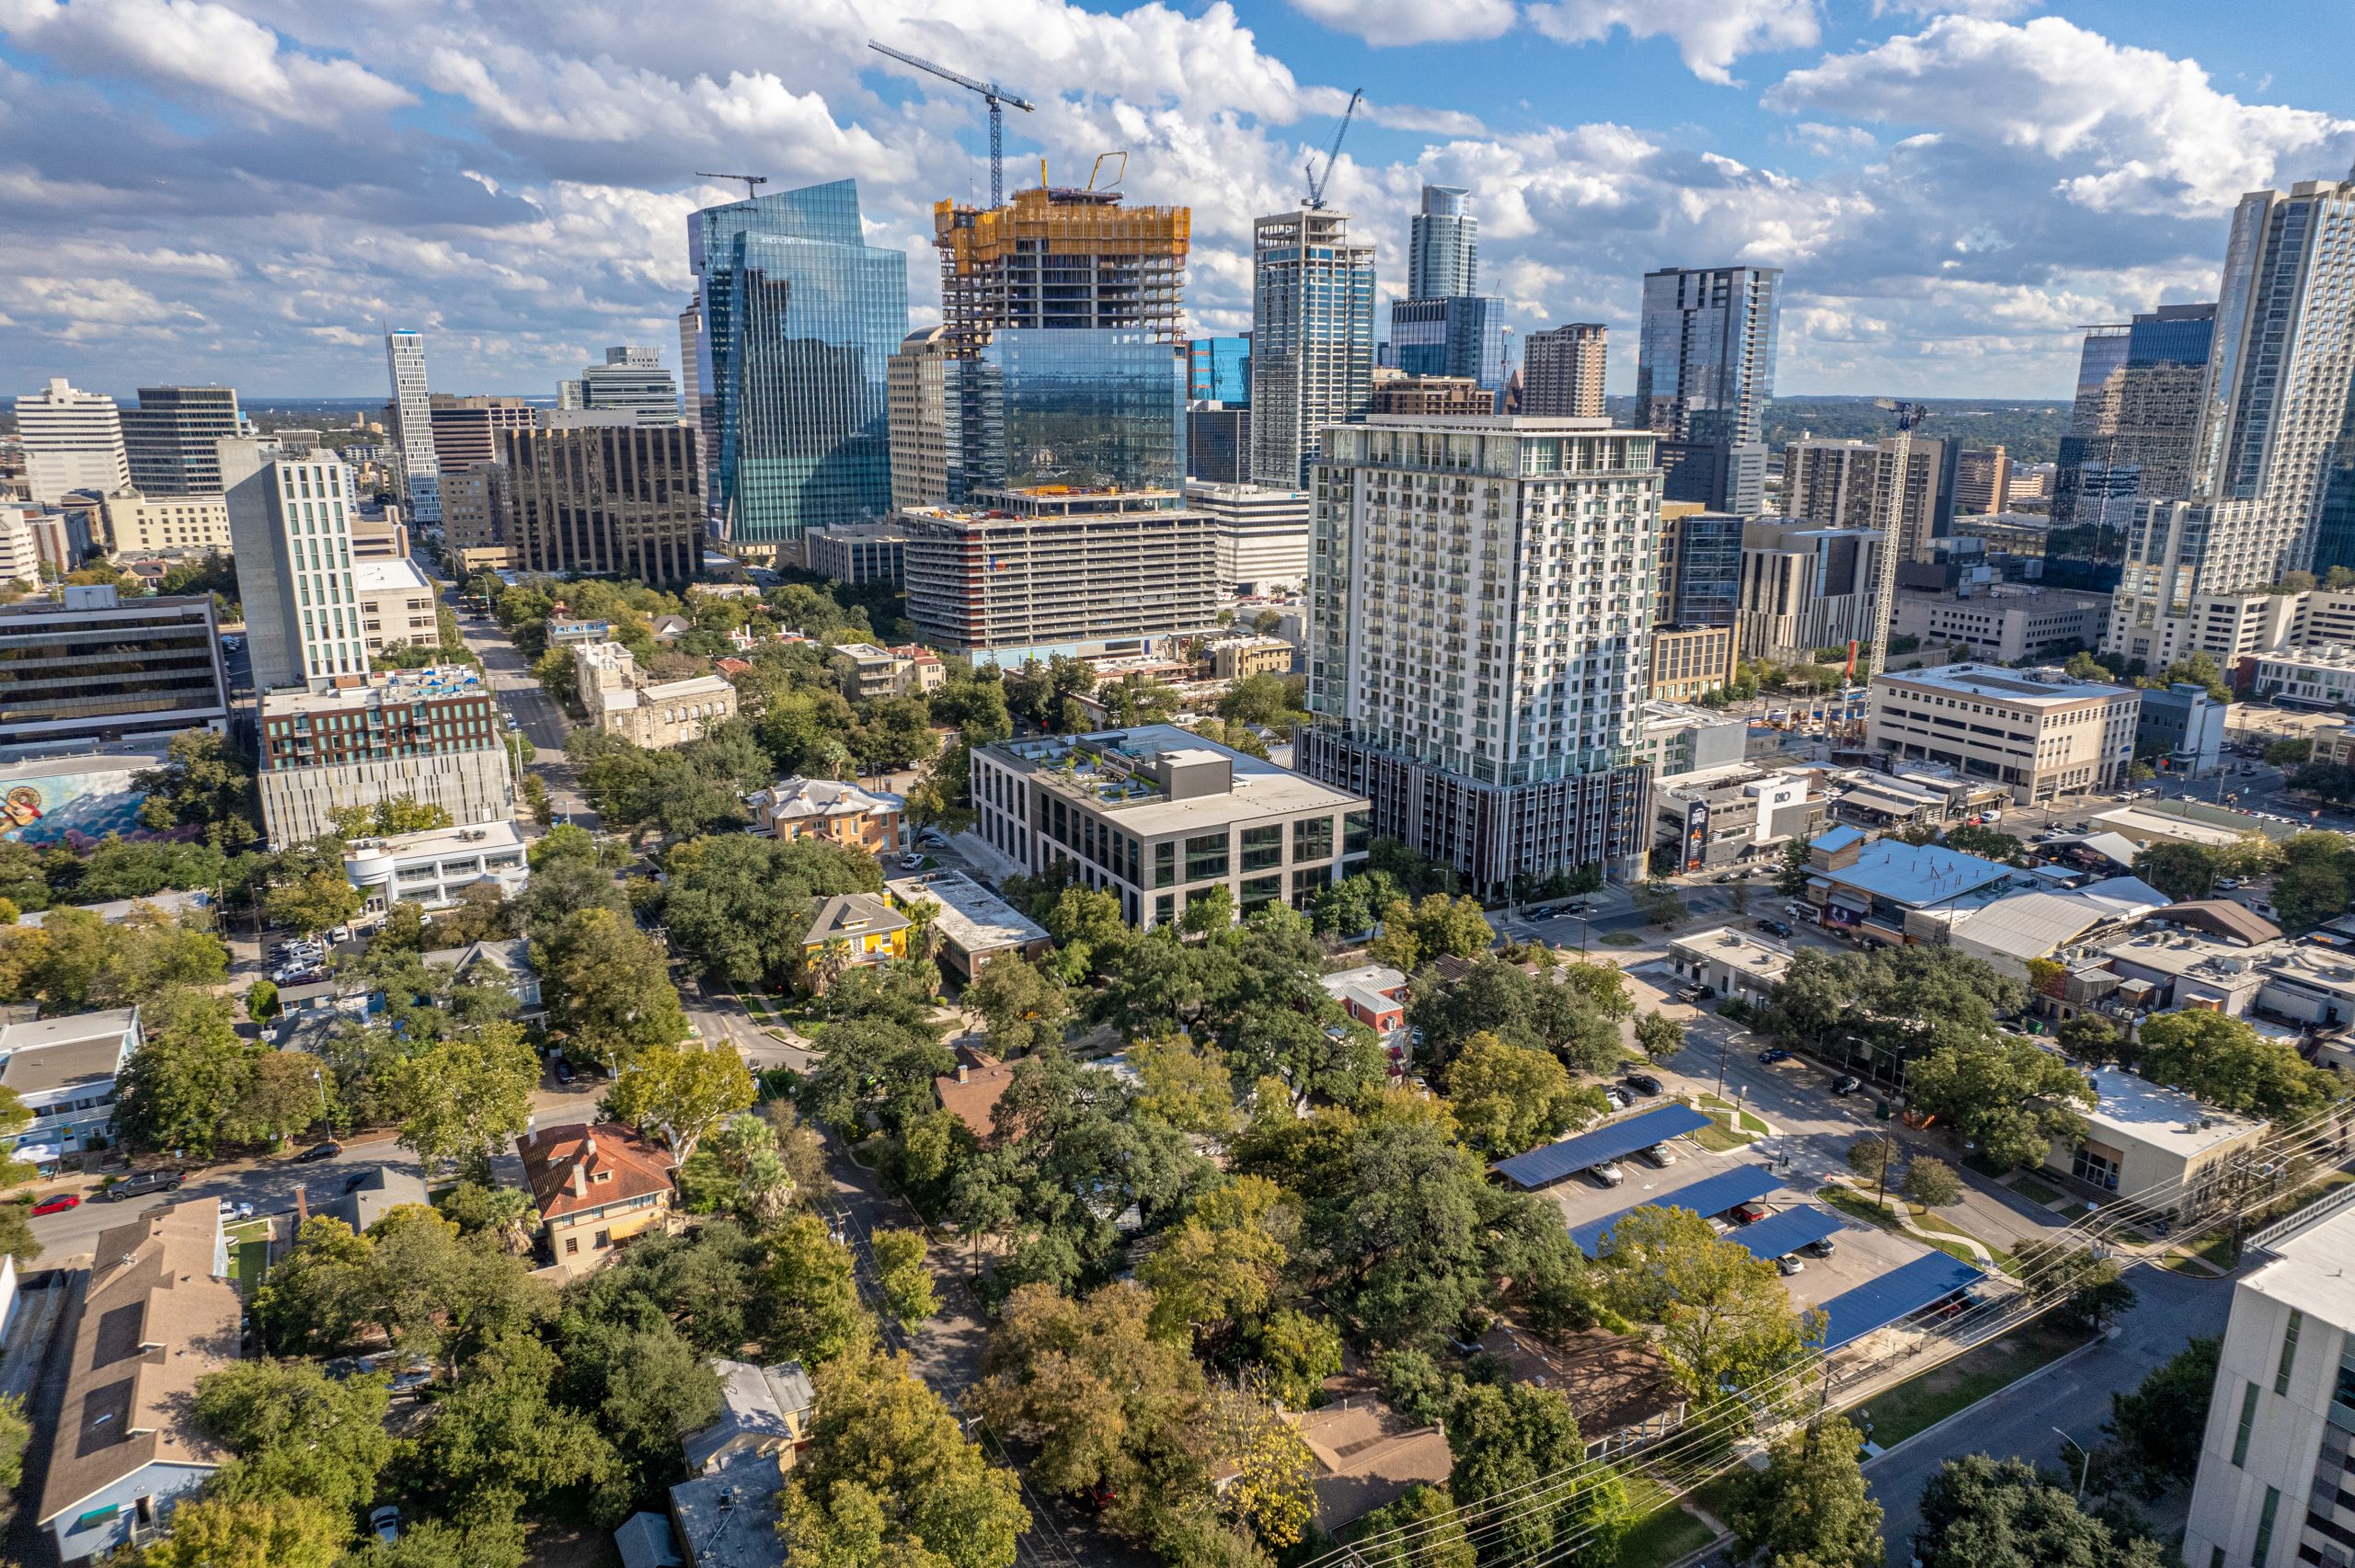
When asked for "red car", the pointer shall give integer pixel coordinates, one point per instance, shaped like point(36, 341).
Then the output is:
point(1749, 1213)
point(57, 1205)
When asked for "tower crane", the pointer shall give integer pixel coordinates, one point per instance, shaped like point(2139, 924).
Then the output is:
point(751, 181)
point(997, 97)
point(1317, 185)
point(1908, 415)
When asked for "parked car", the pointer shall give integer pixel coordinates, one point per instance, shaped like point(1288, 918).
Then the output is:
point(57, 1205)
point(1617, 1098)
point(385, 1521)
point(1542, 912)
point(1607, 1174)
point(1846, 1084)
point(1822, 1249)
point(1747, 1213)
point(1769, 923)
point(563, 1071)
point(1788, 1264)
point(318, 1151)
point(1773, 1054)
point(139, 1183)
point(1660, 1154)
point(232, 1209)
point(1641, 1082)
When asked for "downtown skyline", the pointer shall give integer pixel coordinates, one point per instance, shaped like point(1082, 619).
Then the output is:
point(239, 193)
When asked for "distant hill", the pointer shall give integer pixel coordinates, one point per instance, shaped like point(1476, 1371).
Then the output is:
point(2028, 428)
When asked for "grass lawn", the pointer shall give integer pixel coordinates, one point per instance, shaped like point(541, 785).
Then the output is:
point(252, 1265)
point(1857, 1207)
point(2076, 1211)
point(2003, 1259)
point(2218, 1250)
point(1924, 1402)
point(1664, 1535)
point(2034, 1191)
point(1716, 1139)
point(1620, 939)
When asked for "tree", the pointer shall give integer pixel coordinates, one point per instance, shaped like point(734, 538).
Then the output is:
point(1507, 1439)
point(173, 1090)
point(1725, 1320)
point(740, 1167)
point(1270, 1488)
point(507, 1215)
point(1183, 1085)
point(1791, 874)
point(317, 900)
point(680, 1092)
point(1810, 1504)
point(2317, 881)
point(1420, 1530)
point(320, 1294)
point(2092, 1286)
point(1413, 934)
point(890, 1478)
point(1221, 1266)
point(279, 1093)
point(2089, 1036)
point(206, 782)
point(1508, 1098)
point(2225, 1062)
point(608, 987)
point(2158, 1427)
point(2007, 1096)
point(1978, 1512)
point(1871, 1158)
point(499, 1431)
point(1987, 844)
point(1658, 1035)
point(1024, 1007)
point(1296, 1353)
point(1658, 903)
point(297, 1432)
point(2183, 872)
point(813, 1288)
point(401, 814)
point(905, 1279)
point(1932, 1183)
point(461, 1100)
point(268, 1533)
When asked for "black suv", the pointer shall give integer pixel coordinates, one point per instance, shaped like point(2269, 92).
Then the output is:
point(142, 1183)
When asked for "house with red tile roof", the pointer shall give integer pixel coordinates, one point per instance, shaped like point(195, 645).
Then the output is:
point(595, 1187)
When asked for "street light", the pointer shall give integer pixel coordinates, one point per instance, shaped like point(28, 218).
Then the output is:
point(2082, 1469)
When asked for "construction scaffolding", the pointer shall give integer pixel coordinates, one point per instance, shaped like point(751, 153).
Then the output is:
point(1058, 257)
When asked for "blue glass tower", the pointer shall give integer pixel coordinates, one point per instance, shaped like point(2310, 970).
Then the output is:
point(1090, 407)
point(1219, 369)
point(800, 316)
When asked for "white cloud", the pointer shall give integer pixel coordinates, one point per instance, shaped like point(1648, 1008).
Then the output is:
point(199, 45)
point(1828, 141)
point(2125, 129)
point(1388, 23)
point(1711, 34)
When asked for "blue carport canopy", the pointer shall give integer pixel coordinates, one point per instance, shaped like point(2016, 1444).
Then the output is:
point(1787, 1232)
point(1611, 1140)
point(1712, 1194)
point(1877, 1303)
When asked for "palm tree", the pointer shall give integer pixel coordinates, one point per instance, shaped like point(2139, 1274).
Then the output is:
point(834, 957)
point(922, 935)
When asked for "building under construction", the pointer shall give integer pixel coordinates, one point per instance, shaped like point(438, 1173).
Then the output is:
point(1060, 259)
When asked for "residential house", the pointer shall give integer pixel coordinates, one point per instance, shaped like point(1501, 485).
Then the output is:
point(1373, 994)
point(669, 628)
point(971, 1093)
point(157, 1313)
point(827, 808)
point(1621, 1388)
point(865, 925)
point(645, 1540)
point(1368, 1455)
point(729, 1519)
point(506, 963)
point(764, 1415)
point(64, 1070)
point(870, 672)
point(595, 1187)
point(367, 1197)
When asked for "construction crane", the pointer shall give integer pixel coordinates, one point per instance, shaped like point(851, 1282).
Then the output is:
point(1316, 185)
point(751, 181)
point(992, 95)
point(1892, 534)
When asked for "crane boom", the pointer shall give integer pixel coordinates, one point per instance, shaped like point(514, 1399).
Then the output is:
point(1315, 185)
point(751, 181)
point(1892, 534)
point(992, 95)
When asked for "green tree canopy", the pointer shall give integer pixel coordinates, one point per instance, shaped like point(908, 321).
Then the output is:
point(2008, 1096)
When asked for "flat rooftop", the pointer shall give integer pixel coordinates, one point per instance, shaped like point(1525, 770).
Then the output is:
point(2162, 1118)
point(971, 916)
point(2000, 684)
point(1110, 772)
point(2311, 1267)
point(1737, 949)
point(473, 837)
point(391, 686)
point(379, 576)
point(2190, 822)
point(2173, 951)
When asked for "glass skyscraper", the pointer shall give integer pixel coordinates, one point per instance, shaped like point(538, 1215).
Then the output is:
point(1705, 370)
point(1441, 327)
point(1311, 338)
point(1218, 369)
point(1443, 246)
point(2130, 437)
point(800, 316)
point(1092, 409)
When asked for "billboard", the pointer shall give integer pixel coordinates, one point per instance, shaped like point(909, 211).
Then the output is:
point(1696, 835)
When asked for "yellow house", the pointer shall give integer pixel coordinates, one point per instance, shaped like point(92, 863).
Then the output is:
point(852, 928)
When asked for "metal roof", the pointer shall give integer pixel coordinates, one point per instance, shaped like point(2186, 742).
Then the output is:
point(1609, 1141)
point(1779, 1234)
point(1712, 1194)
point(1877, 1303)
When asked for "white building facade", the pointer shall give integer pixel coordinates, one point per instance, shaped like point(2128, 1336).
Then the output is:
point(1262, 534)
point(73, 441)
point(412, 433)
point(289, 524)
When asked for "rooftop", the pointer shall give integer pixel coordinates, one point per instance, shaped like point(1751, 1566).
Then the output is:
point(1738, 949)
point(2001, 684)
point(1128, 770)
point(973, 919)
point(2311, 1267)
point(49, 1053)
point(766, 1403)
point(2163, 1119)
point(474, 837)
point(1368, 1455)
point(971, 1093)
point(2033, 925)
point(1915, 875)
point(1378, 977)
point(2181, 953)
point(2313, 655)
point(797, 799)
point(579, 1167)
point(729, 1519)
point(853, 914)
point(381, 577)
point(2190, 822)
point(389, 688)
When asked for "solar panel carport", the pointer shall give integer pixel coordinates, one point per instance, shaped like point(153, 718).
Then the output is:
point(1712, 1194)
point(1780, 1234)
point(1611, 1140)
point(1877, 1303)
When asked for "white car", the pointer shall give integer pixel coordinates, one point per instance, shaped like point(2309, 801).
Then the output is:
point(1607, 1174)
point(1660, 1154)
point(1789, 1263)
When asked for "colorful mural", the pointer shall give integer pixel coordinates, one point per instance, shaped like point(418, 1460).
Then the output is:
point(74, 808)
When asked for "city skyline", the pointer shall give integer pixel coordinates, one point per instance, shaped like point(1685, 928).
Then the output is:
point(1949, 195)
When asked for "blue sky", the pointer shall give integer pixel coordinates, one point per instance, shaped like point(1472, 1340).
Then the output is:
point(241, 189)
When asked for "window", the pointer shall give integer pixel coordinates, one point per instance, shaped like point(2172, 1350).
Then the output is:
point(571, 1246)
point(2289, 1351)
point(2264, 1547)
point(1205, 856)
point(604, 1239)
point(1263, 847)
point(1258, 890)
point(2096, 1170)
point(1164, 908)
point(2249, 1420)
point(1358, 832)
point(1165, 863)
point(1312, 838)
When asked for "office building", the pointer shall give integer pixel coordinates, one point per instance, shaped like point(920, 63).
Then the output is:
point(291, 519)
point(1031, 573)
point(1677, 739)
point(631, 380)
point(623, 500)
point(2272, 485)
point(2130, 435)
point(1160, 815)
point(2320, 675)
point(73, 441)
point(21, 557)
point(1983, 475)
point(1804, 589)
point(397, 607)
point(860, 551)
point(2274, 1455)
point(2183, 727)
point(1704, 370)
point(690, 381)
point(1700, 567)
point(58, 539)
point(2006, 624)
point(1725, 816)
point(973, 924)
point(1461, 337)
point(925, 394)
point(1416, 394)
point(1218, 369)
point(94, 668)
point(145, 526)
point(470, 510)
point(171, 441)
point(1055, 259)
point(1311, 338)
point(1481, 594)
point(430, 736)
point(1687, 663)
point(1089, 408)
point(1262, 536)
point(1843, 484)
point(800, 319)
point(620, 699)
point(467, 430)
point(1561, 371)
point(434, 868)
point(1218, 443)
point(2040, 738)
point(417, 471)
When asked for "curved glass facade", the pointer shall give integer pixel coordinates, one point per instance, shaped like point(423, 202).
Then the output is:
point(800, 316)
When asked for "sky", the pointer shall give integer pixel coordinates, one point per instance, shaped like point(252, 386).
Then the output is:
point(246, 190)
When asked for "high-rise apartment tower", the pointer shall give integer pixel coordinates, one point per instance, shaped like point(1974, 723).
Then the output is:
point(1705, 371)
point(172, 439)
point(412, 432)
point(1561, 371)
point(290, 518)
point(1312, 337)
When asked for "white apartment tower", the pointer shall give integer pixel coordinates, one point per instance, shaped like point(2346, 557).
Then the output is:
point(413, 426)
point(1480, 590)
point(290, 520)
point(73, 441)
point(1311, 338)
